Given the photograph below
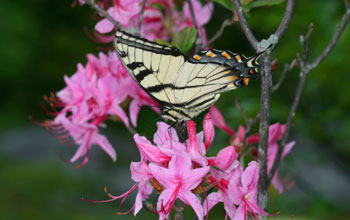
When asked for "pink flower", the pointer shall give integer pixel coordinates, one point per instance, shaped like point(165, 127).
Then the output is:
point(196, 148)
point(178, 181)
point(141, 173)
point(244, 193)
point(85, 135)
point(271, 156)
point(123, 11)
point(93, 93)
point(153, 24)
point(225, 159)
point(276, 133)
point(231, 169)
point(167, 145)
point(209, 131)
point(202, 13)
point(222, 195)
point(219, 121)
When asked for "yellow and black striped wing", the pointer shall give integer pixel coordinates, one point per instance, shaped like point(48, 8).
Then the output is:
point(153, 66)
point(185, 88)
point(204, 76)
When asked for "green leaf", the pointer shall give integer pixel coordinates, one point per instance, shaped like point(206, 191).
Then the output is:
point(261, 3)
point(226, 3)
point(185, 40)
point(163, 42)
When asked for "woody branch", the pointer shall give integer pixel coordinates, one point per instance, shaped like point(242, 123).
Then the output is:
point(266, 84)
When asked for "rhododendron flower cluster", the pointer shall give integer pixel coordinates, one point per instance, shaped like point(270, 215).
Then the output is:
point(239, 139)
point(155, 24)
point(181, 170)
point(93, 93)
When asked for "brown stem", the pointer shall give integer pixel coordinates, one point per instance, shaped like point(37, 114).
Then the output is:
point(286, 19)
point(218, 34)
point(335, 38)
point(95, 6)
point(305, 69)
point(240, 109)
point(141, 15)
point(199, 40)
point(244, 24)
point(266, 83)
point(288, 67)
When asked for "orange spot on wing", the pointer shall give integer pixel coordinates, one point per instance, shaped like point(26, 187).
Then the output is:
point(211, 54)
point(238, 58)
point(226, 55)
point(246, 81)
point(251, 71)
point(196, 57)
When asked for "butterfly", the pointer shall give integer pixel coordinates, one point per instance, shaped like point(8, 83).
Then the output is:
point(184, 87)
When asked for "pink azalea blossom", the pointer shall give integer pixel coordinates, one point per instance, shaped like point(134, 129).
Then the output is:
point(123, 11)
point(225, 159)
point(178, 181)
point(93, 93)
point(167, 145)
point(209, 131)
point(156, 23)
point(141, 173)
point(244, 193)
point(276, 133)
point(219, 121)
point(221, 181)
point(202, 13)
point(195, 147)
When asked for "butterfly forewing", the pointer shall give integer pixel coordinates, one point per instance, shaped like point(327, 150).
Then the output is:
point(153, 66)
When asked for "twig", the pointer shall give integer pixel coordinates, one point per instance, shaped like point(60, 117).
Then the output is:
point(305, 69)
point(244, 24)
point(336, 36)
point(199, 40)
point(131, 129)
point(218, 34)
point(141, 15)
point(95, 6)
point(303, 41)
point(240, 109)
point(286, 19)
point(286, 69)
point(252, 122)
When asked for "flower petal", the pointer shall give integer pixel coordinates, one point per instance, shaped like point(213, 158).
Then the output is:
point(211, 200)
point(250, 175)
point(149, 151)
point(226, 157)
point(209, 131)
point(191, 199)
point(219, 121)
point(105, 145)
point(104, 26)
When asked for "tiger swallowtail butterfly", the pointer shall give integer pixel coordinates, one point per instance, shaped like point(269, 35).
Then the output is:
point(184, 87)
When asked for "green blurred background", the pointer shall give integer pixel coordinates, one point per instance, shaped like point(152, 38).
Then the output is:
point(41, 41)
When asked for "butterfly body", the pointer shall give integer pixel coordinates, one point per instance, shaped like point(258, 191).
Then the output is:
point(184, 87)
